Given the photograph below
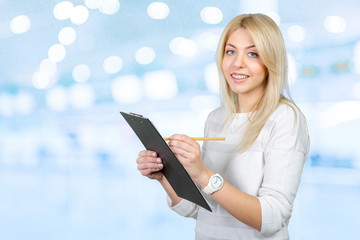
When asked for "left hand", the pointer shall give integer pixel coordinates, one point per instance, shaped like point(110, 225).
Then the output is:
point(188, 152)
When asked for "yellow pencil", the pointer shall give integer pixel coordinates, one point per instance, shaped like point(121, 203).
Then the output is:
point(203, 139)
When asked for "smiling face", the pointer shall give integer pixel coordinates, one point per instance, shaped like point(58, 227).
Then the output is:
point(243, 69)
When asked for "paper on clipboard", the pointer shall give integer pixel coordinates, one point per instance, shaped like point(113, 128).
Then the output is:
point(173, 170)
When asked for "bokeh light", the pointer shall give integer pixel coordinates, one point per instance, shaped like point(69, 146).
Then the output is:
point(82, 96)
point(63, 10)
point(81, 73)
point(79, 15)
point(145, 55)
point(48, 67)
point(127, 89)
point(160, 85)
point(296, 33)
point(109, 7)
point(335, 24)
point(20, 24)
point(158, 10)
point(183, 46)
point(112, 64)
point(211, 15)
point(57, 99)
point(57, 53)
point(93, 4)
point(67, 36)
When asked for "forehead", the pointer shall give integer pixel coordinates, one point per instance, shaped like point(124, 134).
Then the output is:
point(241, 37)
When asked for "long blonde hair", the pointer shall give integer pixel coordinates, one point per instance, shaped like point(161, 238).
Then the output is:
point(271, 49)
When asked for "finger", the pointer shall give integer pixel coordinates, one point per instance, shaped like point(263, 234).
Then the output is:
point(185, 139)
point(185, 146)
point(147, 153)
point(150, 165)
point(151, 170)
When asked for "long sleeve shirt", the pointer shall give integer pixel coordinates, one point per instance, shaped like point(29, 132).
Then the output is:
point(270, 170)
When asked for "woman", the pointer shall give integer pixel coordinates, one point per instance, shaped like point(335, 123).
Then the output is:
point(250, 181)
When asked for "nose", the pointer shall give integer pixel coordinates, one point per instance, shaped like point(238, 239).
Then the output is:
point(239, 61)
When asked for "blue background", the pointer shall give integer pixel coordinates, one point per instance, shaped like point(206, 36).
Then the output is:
point(67, 158)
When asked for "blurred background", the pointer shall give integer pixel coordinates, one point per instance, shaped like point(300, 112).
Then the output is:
point(67, 157)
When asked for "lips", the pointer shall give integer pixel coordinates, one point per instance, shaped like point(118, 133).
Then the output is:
point(239, 77)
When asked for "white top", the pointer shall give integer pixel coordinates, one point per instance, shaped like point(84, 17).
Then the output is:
point(271, 170)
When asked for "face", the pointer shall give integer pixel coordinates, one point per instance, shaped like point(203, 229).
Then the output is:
point(242, 67)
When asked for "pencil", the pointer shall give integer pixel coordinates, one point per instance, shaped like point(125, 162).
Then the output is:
point(204, 139)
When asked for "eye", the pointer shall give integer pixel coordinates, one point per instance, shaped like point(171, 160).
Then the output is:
point(253, 54)
point(230, 52)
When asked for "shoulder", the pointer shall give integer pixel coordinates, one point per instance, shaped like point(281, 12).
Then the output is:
point(217, 114)
point(287, 113)
point(287, 126)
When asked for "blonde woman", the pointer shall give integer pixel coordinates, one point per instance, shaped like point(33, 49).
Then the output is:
point(250, 181)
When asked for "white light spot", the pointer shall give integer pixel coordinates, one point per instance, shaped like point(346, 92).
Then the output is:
point(57, 53)
point(296, 33)
point(340, 112)
point(82, 96)
point(93, 4)
point(127, 89)
point(292, 71)
point(57, 99)
point(48, 67)
point(67, 36)
point(145, 55)
point(20, 24)
point(334, 24)
point(63, 10)
point(158, 10)
point(211, 75)
point(160, 85)
point(41, 80)
point(183, 46)
point(79, 15)
point(81, 73)
point(24, 103)
point(109, 7)
point(113, 64)
point(211, 15)
point(209, 41)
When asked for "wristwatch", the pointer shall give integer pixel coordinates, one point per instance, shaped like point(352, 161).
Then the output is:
point(215, 184)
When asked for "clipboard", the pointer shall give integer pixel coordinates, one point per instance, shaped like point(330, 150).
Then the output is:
point(174, 172)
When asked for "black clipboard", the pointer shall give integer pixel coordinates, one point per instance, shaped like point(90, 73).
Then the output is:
point(174, 172)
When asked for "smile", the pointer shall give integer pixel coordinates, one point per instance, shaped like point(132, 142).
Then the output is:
point(239, 76)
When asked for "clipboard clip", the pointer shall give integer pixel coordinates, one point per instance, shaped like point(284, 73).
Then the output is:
point(135, 114)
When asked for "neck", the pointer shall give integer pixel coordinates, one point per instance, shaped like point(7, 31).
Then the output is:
point(247, 104)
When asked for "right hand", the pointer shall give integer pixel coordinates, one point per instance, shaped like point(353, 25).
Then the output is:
point(150, 165)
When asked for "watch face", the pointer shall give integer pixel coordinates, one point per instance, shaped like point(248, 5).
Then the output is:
point(216, 182)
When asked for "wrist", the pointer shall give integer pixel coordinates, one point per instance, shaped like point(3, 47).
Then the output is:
point(204, 178)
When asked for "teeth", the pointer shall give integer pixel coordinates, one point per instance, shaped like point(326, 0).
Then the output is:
point(239, 76)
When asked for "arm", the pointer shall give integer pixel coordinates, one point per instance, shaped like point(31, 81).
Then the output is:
point(244, 207)
point(150, 166)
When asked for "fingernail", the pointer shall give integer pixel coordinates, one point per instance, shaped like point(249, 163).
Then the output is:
point(158, 160)
point(154, 154)
point(160, 165)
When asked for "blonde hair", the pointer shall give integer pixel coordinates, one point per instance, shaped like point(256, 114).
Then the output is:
point(271, 49)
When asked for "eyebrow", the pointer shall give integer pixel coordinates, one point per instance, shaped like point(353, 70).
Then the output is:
point(248, 47)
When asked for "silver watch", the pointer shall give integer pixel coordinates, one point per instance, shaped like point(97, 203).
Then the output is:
point(215, 184)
